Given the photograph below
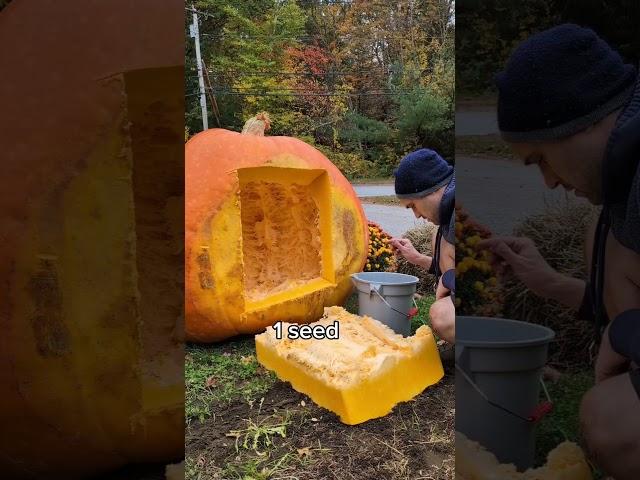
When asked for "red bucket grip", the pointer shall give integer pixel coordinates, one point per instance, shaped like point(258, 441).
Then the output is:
point(413, 311)
point(541, 411)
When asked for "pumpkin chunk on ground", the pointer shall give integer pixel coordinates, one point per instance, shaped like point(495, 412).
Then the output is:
point(473, 462)
point(362, 374)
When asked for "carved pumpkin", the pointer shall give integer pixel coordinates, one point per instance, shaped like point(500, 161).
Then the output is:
point(273, 232)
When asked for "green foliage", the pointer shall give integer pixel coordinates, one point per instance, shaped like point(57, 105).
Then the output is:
point(426, 119)
point(360, 131)
point(563, 423)
point(352, 165)
point(489, 30)
point(348, 78)
point(259, 435)
point(422, 318)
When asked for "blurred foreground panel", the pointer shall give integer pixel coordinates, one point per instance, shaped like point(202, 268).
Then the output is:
point(91, 225)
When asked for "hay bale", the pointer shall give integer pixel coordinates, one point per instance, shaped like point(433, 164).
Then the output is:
point(421, 237)
point(559, 233)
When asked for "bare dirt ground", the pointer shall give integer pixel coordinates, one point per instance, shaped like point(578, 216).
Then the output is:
point(284, 435)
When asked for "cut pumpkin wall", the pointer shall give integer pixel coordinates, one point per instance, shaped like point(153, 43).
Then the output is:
point(273, 231)
point(91, 364)
point(90, 305)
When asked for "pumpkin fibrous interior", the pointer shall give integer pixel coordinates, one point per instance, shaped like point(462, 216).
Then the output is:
point(286, 232)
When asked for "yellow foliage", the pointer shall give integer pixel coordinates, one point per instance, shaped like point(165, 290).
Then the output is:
point(477, 287)
point(380, 256)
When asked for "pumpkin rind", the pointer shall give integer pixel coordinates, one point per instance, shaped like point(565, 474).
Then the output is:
point(223, 169)
point(91, 378)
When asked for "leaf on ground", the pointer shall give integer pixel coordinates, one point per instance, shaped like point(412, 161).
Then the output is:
point(303, 403)
point(211, 382)
point(304, 452)
point(247, 359)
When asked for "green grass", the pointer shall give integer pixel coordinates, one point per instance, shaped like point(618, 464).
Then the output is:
point(563, 422)
point(259, 435)
point(229, 371)
point(381, 200)
point(376, 180)
point(483, 146)
point(469, 100)
point(265, 468)
point(422, 318)
point(222, 373)
point(351, 305)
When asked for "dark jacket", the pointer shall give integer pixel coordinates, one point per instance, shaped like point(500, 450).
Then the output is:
point(621, 175)
point(621, 214)
point(447, 231)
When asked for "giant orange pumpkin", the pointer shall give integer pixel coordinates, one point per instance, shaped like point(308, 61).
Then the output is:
point(91, 351)
point(273, 232)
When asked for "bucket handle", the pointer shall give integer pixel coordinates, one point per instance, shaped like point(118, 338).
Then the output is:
point(375, 288)
point(538, 413)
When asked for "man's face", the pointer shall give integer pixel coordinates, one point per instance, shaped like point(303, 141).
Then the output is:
point(427, 207)
point(574, 163)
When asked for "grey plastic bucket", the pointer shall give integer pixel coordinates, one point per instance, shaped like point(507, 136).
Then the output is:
point(387, 297)
point(499, 367)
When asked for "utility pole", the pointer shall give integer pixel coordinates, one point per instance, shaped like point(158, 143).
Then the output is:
point(195, 34)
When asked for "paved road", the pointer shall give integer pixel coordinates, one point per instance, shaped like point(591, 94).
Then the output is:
point(476, 122)
point(395, 220)
point(500, 193)
point(497, 193)
point(374, 190)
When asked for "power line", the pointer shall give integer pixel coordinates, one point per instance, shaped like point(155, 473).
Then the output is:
point(247, 36)
point(277, 93)
point(260, 88)
point(285, 73)
point(254, 88)
point(326, 3)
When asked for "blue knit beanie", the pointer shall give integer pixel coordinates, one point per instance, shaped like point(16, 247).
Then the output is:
point(559, 82)
point(420, 173)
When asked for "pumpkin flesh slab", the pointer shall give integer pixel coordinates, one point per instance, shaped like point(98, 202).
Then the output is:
point(359, 376)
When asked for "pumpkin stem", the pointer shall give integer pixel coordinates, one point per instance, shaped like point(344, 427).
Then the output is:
point(257, 125)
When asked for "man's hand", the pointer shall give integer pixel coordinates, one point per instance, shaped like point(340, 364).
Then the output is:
point(520, 256)
point(443, 319)
point(609, 363)
point(405, 248)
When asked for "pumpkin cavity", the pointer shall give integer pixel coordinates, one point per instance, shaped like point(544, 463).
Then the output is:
point(284, 230)
point(281, 238)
